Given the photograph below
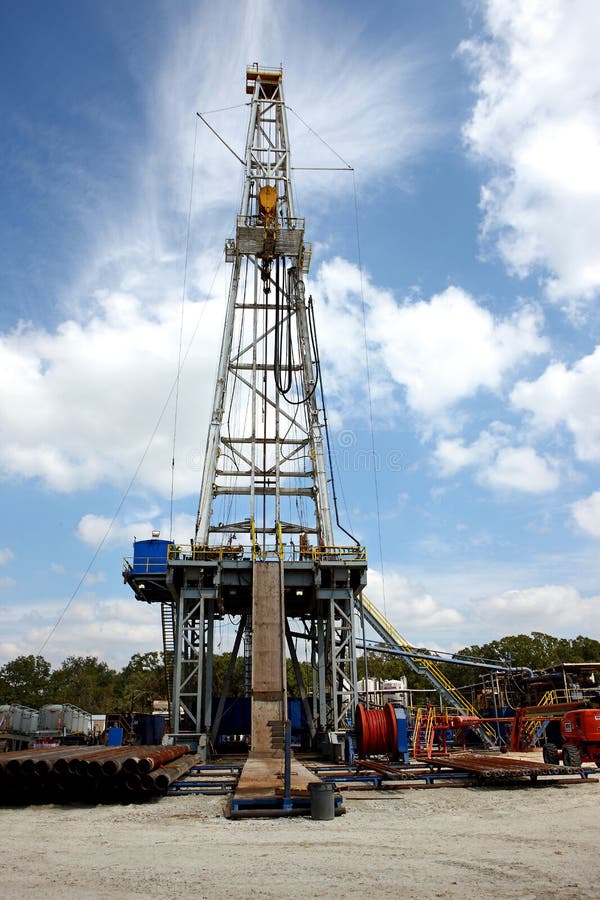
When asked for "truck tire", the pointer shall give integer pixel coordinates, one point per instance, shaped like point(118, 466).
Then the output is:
point(571, 756)
point(550, 754)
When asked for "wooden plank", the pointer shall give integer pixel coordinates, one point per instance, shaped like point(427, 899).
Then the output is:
point(262, 776)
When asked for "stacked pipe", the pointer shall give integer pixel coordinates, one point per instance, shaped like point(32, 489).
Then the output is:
point(500, 767)
point(91, 774)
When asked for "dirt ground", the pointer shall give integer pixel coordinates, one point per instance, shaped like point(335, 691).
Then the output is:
point(526, 843)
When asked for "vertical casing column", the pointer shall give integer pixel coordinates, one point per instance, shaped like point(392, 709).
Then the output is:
point(269, 694)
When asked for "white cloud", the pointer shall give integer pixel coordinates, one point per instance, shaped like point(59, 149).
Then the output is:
point(82, 398)
point(7, 582)
point(586, 513)
point(6, 555)
point(57, 568)
point(98, 387)
point(408, 341)
point(557, 608)
point(498, 463)
point(112, 629)
point(8, 650)
point(339, 317)
point(448, 348)
point(452, 454)
point(408, 602)
point(537, 123)
point(79, 403)
point(522, 469)
point(92, 529)
point(376, 122)
point(570, 397)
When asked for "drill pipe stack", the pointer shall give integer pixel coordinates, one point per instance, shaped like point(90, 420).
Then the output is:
point(91, 774)
point(502, 768)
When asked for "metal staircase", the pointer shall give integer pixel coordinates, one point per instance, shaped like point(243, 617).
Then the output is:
point(426, 667)
point(168, 632)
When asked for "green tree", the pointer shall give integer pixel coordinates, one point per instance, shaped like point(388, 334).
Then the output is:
point(26, 680)
point(585, 649)
point(220, 666)
point(537, 651)
point(140, 682)
point(86, 682)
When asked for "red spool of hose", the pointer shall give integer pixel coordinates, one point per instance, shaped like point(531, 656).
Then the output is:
point(376, 730)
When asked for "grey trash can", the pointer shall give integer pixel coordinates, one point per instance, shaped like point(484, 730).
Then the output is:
point(322, 800)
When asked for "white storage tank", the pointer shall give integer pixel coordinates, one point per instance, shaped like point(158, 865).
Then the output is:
point(65, 718)
point(29, 720)
point(17, 719)
point(51, 717)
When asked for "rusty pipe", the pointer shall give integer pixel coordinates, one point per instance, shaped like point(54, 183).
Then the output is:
point(154, 759)
point(159, 779)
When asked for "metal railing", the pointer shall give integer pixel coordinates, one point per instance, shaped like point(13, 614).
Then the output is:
point(255, 551)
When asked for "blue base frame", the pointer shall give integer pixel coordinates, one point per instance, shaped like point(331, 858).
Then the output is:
point(257, 807)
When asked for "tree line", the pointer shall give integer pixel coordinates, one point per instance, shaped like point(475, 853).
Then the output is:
point(91, 684)
point(84, 681)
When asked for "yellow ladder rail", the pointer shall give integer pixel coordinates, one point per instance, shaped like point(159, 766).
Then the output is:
point(459, 699)
point(530, 727)
point(429, 730)
point(416, 738)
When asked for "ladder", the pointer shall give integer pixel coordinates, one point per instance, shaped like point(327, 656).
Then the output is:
point(426, 667)
point(168, 632)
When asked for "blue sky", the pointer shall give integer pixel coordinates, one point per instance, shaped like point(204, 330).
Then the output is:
point(474, 133)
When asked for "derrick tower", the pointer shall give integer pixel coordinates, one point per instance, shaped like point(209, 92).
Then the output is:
point(264, 551)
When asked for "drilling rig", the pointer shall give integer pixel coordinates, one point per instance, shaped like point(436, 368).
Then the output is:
point(264, 551)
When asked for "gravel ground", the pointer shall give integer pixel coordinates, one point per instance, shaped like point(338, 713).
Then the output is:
point(532, 842)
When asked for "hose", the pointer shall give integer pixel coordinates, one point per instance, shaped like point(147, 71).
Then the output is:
point(376, 730)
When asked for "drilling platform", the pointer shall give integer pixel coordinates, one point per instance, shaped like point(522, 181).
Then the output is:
point(264, 552)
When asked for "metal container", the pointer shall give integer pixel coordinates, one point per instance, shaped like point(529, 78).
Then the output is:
point(322, 800)
point(150, 557)
point(29, 720)
point(17, 719)
point(51, 717)
point(65, 719)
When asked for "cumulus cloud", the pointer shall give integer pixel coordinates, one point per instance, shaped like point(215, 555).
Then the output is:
point(408, 602)
point(536, 123)
point(92, 529)
point(448, 348)
point(586, 513)
point(79, 403)
point(409, 339)
point(569, 397)
point(497, 463)
point(561, 605)
point(522, 469)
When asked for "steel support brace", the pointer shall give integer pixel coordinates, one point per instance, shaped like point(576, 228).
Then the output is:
point(192, 676)
point(300, 681)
